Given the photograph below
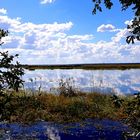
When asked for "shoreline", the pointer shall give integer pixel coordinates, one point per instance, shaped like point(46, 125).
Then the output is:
point(119, 66)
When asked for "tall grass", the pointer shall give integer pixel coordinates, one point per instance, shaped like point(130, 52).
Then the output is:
point(51, 107)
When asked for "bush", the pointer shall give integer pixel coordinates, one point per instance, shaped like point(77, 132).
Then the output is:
point(10, 75)
point(133, 112)
point(66, 88)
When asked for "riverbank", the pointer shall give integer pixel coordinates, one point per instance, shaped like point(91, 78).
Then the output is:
point(30, 107)
point(100, 66)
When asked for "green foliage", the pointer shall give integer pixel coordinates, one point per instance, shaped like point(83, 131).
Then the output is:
point(77, 108)
point(10, 73)
point(134, 27)
point(3, 33)
point(10, 78)
point(7, 106)
point(133, 112)
point(132, 109)
point(116, 101)
point(97, 6)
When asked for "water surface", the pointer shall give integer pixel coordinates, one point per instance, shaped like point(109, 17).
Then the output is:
point(119, 81)
point(86, 130)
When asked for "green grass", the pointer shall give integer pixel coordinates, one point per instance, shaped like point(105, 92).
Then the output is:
point(25, 108)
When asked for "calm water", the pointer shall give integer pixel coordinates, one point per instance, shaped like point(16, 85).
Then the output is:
point(87, 130)
point(122, 82)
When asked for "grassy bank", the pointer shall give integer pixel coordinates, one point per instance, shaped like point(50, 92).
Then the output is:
point(28, 107)
point(120, 66)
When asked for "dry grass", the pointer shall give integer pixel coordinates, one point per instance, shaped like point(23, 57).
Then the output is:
point(51, 107)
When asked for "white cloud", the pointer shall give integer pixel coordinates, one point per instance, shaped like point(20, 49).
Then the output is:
point(52, 43)
point(3, 11)
point(46, 1)
point(121, 34)
point(128, 22)
point(107, 27)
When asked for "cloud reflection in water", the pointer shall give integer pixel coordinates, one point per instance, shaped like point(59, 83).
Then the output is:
point(122, 82)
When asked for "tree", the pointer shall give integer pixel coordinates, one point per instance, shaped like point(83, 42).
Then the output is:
point(134, 27)
point(10, 79)
point(10, 72)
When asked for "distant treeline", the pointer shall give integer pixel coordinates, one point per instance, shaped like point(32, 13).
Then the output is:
point(120, 66)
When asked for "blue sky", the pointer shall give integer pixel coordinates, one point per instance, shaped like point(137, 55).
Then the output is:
point(60, 31)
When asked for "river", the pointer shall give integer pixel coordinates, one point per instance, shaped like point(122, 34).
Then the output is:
point(105, 81)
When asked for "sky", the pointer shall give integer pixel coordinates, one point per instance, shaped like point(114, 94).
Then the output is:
point(66, 32)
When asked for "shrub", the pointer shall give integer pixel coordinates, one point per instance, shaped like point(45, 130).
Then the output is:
point(133, 112)
point(10, 75)
point(66, 88)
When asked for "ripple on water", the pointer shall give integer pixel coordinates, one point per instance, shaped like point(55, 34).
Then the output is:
point(86, 130)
